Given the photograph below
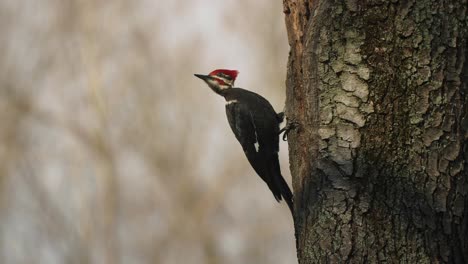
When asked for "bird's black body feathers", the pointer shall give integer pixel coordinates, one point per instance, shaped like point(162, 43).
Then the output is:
point(256, 126)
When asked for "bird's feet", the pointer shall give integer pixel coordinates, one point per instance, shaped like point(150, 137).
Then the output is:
point(289, 126)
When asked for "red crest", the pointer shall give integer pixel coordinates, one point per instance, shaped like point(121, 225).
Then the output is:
point(232, 73)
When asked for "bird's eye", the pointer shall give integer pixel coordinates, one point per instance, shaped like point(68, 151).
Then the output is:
point(225, 76)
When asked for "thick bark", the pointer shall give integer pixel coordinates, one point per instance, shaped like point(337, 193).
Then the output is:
point(379, 163)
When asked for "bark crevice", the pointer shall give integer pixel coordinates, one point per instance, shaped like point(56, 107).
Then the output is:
point(379, 164)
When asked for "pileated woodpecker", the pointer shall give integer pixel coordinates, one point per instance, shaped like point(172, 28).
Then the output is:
point(256, 126)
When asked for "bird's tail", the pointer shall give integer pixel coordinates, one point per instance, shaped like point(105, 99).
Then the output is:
point(281, 184)
point(286, 193)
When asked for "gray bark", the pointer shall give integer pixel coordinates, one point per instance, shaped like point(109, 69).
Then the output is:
point(379, 163)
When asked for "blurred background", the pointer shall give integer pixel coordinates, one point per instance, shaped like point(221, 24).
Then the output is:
point(111, 151)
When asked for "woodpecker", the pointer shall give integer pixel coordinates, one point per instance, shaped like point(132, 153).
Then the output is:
point(256, 126)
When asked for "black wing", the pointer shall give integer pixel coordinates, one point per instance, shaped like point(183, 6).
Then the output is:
point(258, 141)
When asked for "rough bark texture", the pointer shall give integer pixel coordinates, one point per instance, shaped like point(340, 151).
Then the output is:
point(379, 163)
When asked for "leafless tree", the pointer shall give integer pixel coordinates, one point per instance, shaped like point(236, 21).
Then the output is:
point(112, 152)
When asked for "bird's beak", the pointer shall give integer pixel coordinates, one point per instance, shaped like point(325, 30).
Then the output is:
point(201, 76)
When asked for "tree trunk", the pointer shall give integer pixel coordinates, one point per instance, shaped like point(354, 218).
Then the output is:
point(379, 163)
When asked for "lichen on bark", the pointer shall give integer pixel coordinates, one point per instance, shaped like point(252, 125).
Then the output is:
point(379, 164)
